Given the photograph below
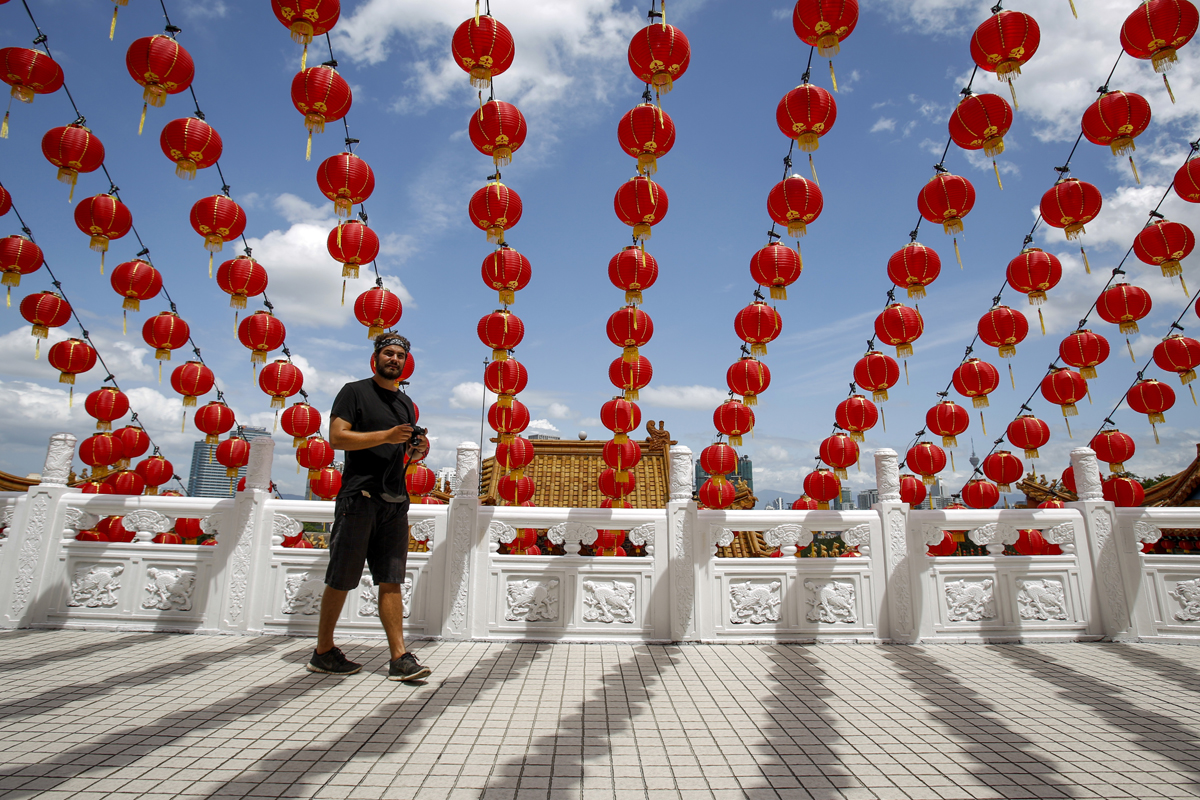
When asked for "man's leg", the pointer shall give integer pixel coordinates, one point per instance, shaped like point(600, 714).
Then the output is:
point(391, 614)
point(331, 608)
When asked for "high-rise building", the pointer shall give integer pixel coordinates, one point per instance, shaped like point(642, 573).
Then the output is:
point(743, 472)
point(843, 502)
point(207, 477)
point(868, 498)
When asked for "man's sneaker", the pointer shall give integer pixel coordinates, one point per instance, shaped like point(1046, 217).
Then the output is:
point(406, 668)
point(332, 662)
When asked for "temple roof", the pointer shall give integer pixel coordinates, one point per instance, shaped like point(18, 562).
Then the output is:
point(1179, 489)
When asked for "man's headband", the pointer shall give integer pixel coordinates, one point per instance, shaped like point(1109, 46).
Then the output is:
point(390, 341)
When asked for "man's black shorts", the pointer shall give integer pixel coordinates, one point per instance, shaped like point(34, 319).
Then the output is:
point(367, 530)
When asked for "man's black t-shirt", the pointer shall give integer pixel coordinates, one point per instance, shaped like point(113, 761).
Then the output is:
point(367, 407)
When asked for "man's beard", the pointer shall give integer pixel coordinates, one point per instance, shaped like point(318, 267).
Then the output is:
point(388, 371)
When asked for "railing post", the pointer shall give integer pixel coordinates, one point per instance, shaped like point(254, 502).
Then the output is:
point(242, 574)
point(898, 553)
point(1115, 573)
point(465, 582)
point(686, 562)
point(35, 536)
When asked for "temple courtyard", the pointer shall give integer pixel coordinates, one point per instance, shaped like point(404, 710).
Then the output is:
point(124, 715)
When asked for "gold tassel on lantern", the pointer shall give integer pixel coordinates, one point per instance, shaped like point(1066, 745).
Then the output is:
point(1166, 83)
point(374, 331)
point(982, 421)
point(796, 227)
point(832, 76)
point(1086, 266)
point(277, 402)
point(840, 472)
point(142, 121)
point(1042, 321)
point(749, 400)
point(813, 166)
point(904, 350)
point(112, 28)
point(758, 349)
point(996, 169)
point(504, 400)
point(1156, 441)
point(502, 355)
point(882, 419)
point(647, 162)
point(735, 441)
point(857, 436)
point(258, 357)
point(629, 354)
point(1011, 379)
point(879, 395)
point(916, 292)
point(779, 293)
point(1087, 373)
point(1127, 344)
point(957, 254)
point(68, 176)
point(949, 441)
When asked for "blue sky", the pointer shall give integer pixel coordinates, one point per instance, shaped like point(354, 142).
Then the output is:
point(899, 76)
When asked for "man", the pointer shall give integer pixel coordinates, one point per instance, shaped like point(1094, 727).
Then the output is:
point(372, 421)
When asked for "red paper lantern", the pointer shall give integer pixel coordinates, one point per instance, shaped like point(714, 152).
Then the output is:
point(1086, 350)
point(640, 203)
point(1068, 479)
point(29, 73)
point(261, 332)
point(300, 421)
point(980, 121)
point(45, 310)
point(192, 380)
point(733, 419)
point(856, 414)
point(483, 48)
point(161, 67)
point(630, 328)
point(900, 326)
point(1114, 448)
point(240, 278)
point(947, 419)
point(218, 219)
point(214, 419)
point(1070, 205)
point(1157, 28)
point(659, 54)
point(498, 130)
point(946, 199)
point(136, 281)
point(646, 132)
point(1164, 244)
point(976, 379)
point(1064, 387)
point(621, 417)
point(947, 547)
point(1152, 398)
point(776, 266)
point(111, 528)
point(502, 331)
point(154, 472)
point(1034, 272)
point(165, 332)
point(914, 267)
point(506, 271)
point(1179, 354)
point(1124, 304)
point(73, 149)
point(516, 491)
point(509, 419)
point(352, 244)
point(757, 325)
point(912, 490)
point(192, 144)
point(495, 208)
point(505, 378)
point(327, 484)
point(321, 95)
point(980, 494)
point(347, 180)
point(823, 486)
point(5, 201)
point(281, 379)
point(839, 451)
point(1187, 181)
point(18, 256)
point(1052, 504)
point(316, 455)
point(233, 454)
point(419, 480)
point(105, 405)
point(1029, 433)
point(71, 357)
point(622, 457)
point(630, 376)
point(716, 495)
point(100, 452)
point(307, 18)
point(804, 503)
point(795, 202)
point(126, 482)
point(633, 269)
point(1004, 468)
point(378, 309)
point(1030, 542)
point(93, 487)
point(134, 443)
point(748, 377)
point(1003, 328)
point(927, 460)
point(877, 373)
point(1123, 492)
point(824, 24)
point(805, 114)
point(1116, 119)
point(102, 217)
point(718, 460)
point(514, 456)
point(1004, 42)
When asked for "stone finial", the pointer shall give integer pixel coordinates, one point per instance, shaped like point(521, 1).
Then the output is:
point(681, 474)
point(258, 472)
point(887, 475)
point(59, 455)
point(467, 468)
point(1086, 467)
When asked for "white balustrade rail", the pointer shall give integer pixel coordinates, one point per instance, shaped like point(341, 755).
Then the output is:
point(887, 589)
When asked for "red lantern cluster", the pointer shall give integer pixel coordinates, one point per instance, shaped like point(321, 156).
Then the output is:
point(1164, 244)
point(73, 149)
point(913, 267)
point(29, 73)
point(104, 218)
point(321, 95)
point(1070, 204)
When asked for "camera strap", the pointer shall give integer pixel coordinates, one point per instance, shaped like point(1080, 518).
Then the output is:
point(402, 449)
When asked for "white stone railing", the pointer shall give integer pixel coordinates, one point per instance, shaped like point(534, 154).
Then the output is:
point(887, 589)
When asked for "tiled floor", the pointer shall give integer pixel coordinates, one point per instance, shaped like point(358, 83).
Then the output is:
point(95, 715)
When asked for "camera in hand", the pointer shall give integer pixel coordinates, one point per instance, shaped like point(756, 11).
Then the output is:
point(418, 432)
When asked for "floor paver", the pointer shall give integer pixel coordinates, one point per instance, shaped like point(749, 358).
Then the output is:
point(138, 716)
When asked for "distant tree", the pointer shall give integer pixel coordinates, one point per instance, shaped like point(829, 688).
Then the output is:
point(1148, 482)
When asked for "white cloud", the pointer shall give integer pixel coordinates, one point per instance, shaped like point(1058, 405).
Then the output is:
point(884, 124)
point(692, 397)
point(558, 411)
point(541, 426)
point(470, 395)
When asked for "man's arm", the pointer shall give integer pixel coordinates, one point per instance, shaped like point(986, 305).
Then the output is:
point(341, 437)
